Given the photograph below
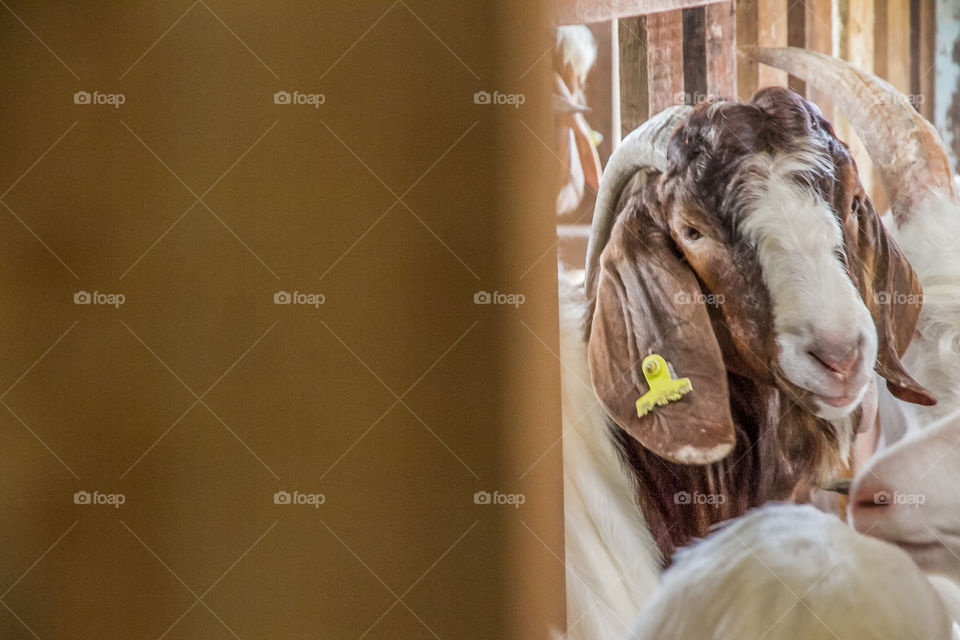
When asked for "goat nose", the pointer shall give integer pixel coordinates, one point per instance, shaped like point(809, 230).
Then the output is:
point(839, 360)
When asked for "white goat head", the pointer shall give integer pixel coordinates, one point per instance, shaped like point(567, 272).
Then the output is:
point(784, 572)
point(909, 494)
point(746, 253)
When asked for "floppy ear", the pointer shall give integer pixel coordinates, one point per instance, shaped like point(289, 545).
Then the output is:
point(646, 303)
point(892, 292)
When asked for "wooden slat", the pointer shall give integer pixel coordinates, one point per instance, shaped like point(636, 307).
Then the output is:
point(898, 44)
point(796, 37)
point(634, 84)
point(923, 43)
point(583, 11)
point(947, 106)
point(598, 87)
point(664, 59)
point(856, 46)
point(772, 32)
point(891, 56)
point(880, 34)
point(722, 49)
point(694, 55)
point(819, 36)
point(748, 71)
point(881, 68)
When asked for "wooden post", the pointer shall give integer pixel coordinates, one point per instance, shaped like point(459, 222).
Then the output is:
point(748, 72)
point(923, 43)
point(947, 103)
point(721, 45)
point(634, 83)
point(819, 37)
point(665, 60)
point(694, 55)
point(797, 37)
point(772, 32)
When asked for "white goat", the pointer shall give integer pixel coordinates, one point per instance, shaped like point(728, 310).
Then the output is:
point(909, 495)
point(931, 241)
point(784, 572)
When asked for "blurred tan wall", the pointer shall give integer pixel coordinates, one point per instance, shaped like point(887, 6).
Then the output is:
point(197, 400)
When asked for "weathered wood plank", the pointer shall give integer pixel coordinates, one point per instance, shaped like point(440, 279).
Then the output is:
point(634, 83)
point(694, 55)
point(772, 32)
point(721, 38)
point(582, 11)
point(880, 38)
point(664, 60)
point(748, 71)
point(923, 43)
point(856, 46)
point(796, 37)
point(819, 37)
point(898, 44)
point(947, 104)
point(598, 88)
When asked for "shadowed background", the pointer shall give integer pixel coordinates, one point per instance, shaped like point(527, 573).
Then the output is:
point(198, 398)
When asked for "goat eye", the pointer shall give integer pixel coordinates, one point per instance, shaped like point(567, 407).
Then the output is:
point(691, 233)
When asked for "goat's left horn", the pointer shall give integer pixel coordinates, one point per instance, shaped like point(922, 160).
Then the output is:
point(905, 148)
point(645, 146)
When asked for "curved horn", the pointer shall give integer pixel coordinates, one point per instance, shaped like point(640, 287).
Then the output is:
point(645, 146)
point(905, 148)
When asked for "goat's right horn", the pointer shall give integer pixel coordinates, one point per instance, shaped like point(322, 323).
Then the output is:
point(645, 146)
point(905, 148)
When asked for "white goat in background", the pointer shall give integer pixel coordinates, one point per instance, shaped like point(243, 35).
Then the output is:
point(791, 572)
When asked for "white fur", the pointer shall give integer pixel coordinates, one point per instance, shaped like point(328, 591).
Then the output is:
point(917, 479)
point(815, 304)
point(612, 561)
point(931, 242)
point(578, 48)
point(789, 572)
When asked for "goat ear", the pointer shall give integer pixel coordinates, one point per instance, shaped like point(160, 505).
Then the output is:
point(645, 304)
point(892, 292)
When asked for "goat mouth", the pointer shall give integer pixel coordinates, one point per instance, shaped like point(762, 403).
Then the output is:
point(840, 401)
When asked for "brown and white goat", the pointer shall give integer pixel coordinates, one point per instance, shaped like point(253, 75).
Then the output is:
point(915, 172)
point(753, 264)
point(736, 241)
point(612, 565)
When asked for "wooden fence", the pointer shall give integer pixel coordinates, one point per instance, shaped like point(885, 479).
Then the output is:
point(656, 53)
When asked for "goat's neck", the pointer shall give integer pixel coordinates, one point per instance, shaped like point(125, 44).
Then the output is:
point(778, 445)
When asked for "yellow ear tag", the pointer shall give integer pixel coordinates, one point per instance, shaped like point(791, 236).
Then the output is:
point(664, 388)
